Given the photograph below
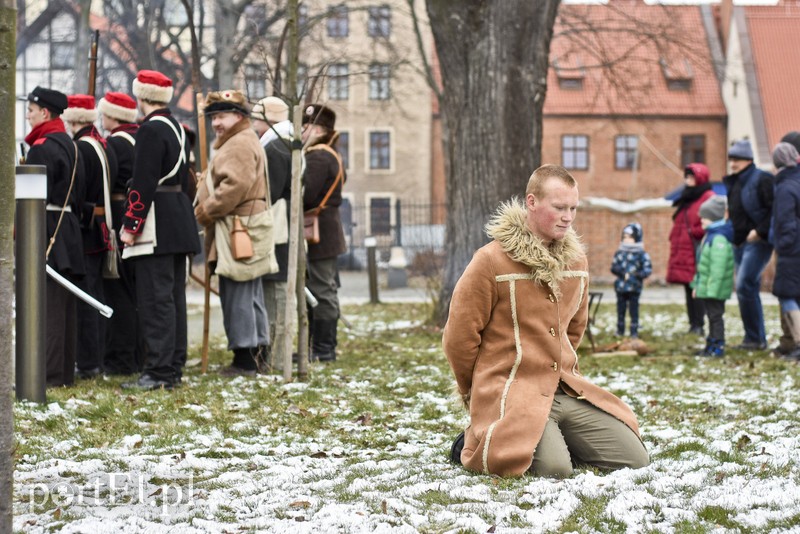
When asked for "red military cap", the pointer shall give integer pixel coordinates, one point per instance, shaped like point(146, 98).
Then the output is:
point(80, 109)
point(152, 85)
point(118, 106)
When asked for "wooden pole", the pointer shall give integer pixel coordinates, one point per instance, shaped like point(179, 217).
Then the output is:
point(201, 139)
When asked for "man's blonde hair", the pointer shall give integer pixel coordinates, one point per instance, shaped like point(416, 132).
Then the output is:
point(539, 177)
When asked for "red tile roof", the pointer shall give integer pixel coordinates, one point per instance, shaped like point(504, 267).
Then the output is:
point(774, 32)
point(626, 51)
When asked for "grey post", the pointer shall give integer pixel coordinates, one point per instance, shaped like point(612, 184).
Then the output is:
point(31, 244)
point(372, 269)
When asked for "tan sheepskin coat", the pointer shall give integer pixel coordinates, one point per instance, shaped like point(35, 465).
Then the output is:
point(517, 316)
point(240, 187)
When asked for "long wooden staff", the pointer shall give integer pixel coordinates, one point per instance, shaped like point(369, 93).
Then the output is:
point(201, 138)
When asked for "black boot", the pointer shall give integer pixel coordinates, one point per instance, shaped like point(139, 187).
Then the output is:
point(323, 340)
point(243, 363)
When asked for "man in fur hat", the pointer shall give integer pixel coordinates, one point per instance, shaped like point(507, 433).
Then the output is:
point(517, 317)
point(100, 169)
point(324, 178)
point(125, 346)
point(236, 184)
point(159, 231)
point(52, 147)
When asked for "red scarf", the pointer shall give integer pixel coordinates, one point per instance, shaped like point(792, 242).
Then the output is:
point(48, 127)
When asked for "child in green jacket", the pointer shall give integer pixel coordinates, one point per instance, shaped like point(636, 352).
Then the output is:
point(713, 282)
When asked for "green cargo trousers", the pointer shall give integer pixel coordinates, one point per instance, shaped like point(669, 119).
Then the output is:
point(578, 433)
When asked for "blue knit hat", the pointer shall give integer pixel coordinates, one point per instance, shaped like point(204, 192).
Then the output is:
point(634, 230)
point(741, 150)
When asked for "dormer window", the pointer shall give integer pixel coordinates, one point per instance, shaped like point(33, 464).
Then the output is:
point(678, 73)
point(570, 72)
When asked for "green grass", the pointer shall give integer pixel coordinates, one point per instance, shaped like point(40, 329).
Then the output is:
point(371, 434)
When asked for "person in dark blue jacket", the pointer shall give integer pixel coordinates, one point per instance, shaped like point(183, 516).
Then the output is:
point(632, 265)
point(786, 236)
point(750, 196)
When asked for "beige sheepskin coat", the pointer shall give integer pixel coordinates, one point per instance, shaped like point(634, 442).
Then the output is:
point(517, 317)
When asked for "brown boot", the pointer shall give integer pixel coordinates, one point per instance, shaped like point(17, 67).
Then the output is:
point(792, 320)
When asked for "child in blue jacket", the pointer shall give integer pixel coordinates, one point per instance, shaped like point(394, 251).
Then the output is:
point(632, 265)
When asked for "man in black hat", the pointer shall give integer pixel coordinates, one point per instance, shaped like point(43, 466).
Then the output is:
point(52, 147)
point(324, 178)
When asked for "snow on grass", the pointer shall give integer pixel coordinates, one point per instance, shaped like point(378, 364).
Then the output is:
point(363, 447)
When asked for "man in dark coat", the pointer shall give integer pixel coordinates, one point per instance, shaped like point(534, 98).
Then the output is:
point(125, 346)
point(750, 197)
point(52, 147)
point(271, 122)
point(159, 231)
point(786, 234)
point(100, 169)
point(324, 178)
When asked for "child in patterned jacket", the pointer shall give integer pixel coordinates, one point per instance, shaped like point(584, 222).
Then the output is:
point(632, 265)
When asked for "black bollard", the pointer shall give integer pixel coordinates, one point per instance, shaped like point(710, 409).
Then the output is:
point(30, 249)
point(372, 269)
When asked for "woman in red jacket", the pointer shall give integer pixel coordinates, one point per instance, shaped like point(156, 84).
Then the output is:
point(685, 237)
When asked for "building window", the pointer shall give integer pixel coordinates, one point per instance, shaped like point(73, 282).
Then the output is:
point(693, 149)
point(379, 21)
point(343, 147)
point(255, 81)
point(575, 151)
point(380, 215)
point(570, 72)
point(625, 151)
point(380, 150)
point(678, 73)
point(379, 76)
point(338, 83)
point(338, 22)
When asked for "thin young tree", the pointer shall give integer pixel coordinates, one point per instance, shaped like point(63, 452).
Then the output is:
point(8, 26)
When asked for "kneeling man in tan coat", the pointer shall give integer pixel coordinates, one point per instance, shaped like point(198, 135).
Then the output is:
point(517, 316)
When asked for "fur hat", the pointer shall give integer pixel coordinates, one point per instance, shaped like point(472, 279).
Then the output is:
point(230, 100)
point(784, 155)
point(270, 109)
point(51, 99)
point(320, 115)
point(713, 209)
point(634, 230)
point(153, 86)
point(80, 109)
point(118, 106)
point(741, 150)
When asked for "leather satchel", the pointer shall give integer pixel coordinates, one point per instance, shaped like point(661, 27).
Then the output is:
point(311, 227)
point(241, 244)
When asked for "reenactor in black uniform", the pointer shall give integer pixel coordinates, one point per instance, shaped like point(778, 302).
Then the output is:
point(159, 230)
point(125, 347)
point(52, 147)
point(100, 168)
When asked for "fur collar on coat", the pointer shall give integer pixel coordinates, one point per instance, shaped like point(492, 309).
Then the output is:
point(508, 226)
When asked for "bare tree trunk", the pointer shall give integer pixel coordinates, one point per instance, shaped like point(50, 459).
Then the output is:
point(493, 58)
point(8, 31)
point(83, 39)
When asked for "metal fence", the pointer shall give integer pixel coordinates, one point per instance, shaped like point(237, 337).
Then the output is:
point(416, 227)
